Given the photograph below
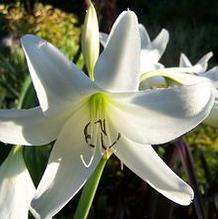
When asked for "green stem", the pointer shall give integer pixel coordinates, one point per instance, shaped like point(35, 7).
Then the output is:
point(23, 94)
point(89, 191)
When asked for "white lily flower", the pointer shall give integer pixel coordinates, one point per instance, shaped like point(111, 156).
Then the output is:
point(16, 187)
point(90, 119)
point(200, 68)
point(151, 52)
point(188, 74)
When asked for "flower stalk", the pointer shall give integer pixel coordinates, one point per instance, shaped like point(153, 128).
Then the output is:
point(89, 191)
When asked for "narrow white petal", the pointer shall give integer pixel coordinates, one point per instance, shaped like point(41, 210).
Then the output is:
point(145, 39)
point(161, 115)
point(29, 127)
point(57, 81)
point(212, 119)
point(200, 66)
point(151, 53)
point(159, 44)
point(117, 68)
point(16, 188)
point(183, 76)
point(212, 74)
point(184, 61)
point(71, 163)
point(144, 161)
point(103, 37)
point(203, 62)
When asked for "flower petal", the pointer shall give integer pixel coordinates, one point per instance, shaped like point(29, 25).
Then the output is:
point(16, 187)
point(103, 37)
point(152, 52)
point(212, 74)
point(184, 61)
point(181, 75)
point(158, 116)
point(29, 127)
point(117, 68)
point(152, 82)
point(200, 66)
point(159, 44)
point(144, 161)
point(145, 39)
point(57, 81)
point(71, 163)
point(203, 62)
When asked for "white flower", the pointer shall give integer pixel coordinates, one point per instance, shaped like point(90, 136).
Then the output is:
point(188, 74)
point(91, 119)
point(200, 69)
point(16, 187)
point(151, 52)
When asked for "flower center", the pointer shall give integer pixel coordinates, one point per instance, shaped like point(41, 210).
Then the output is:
point(97, 130)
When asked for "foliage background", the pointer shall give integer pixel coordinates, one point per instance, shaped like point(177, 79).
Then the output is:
point(121, 195)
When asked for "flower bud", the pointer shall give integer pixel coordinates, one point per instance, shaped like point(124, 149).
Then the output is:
point(90, 40)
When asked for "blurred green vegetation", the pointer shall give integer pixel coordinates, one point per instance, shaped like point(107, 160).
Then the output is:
point(50, 23)
point(193, 30)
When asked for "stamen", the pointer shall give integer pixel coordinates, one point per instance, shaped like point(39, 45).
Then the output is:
point(102, 142)
point(110, 146)
point(87, 135)
point(102, 126)
point(85, 131)
point(118, 137)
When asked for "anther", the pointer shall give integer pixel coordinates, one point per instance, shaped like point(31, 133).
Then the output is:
point(118, 137)
point(110, 146)
point(85, 131)
point(87, 135)
point(102, 126)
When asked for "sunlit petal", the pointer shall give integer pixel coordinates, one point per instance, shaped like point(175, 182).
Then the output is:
point(57, 81)
point(71, 163)
point(151, 53)
point(144, 161)
point(30, 127)
point(184, 61)
point(161, 115)
point(159, 44)
point(200, 66)
point(212, 74)
point(103, 37)
point(145, 39)
point(16, 187)
point(117, 68)
point(180, 75)
point(203, 62)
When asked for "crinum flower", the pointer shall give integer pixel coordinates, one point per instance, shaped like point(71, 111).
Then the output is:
point(151, 52)
point(188, 74)
point(16, 187)
point(90, 119)
point(200, 69)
